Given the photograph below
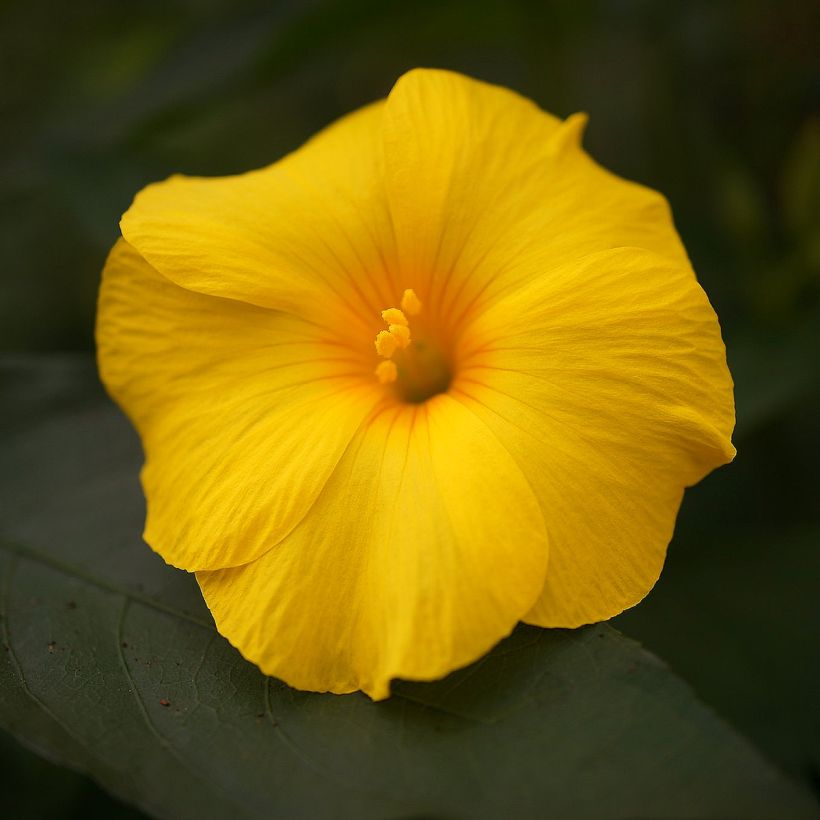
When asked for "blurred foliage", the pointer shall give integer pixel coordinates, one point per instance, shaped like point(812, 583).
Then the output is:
point(717, 104)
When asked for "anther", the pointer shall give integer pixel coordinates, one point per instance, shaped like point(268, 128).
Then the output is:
point(397, 338)
point(386, 344)
point(386, 372)
point(401, 333)
point(393, 316)
point(410, 303)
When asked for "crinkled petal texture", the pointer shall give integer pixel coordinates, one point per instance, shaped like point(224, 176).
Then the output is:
point(487, 191)
point(310, 235)
point(607, 381)
point(243, 412)
point(341, 535)
point(584, 342)
point(426, 546)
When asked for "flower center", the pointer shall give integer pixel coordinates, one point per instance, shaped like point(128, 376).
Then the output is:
point(413, 363)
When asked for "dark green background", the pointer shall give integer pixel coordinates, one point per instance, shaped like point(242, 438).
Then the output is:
point(714, 103)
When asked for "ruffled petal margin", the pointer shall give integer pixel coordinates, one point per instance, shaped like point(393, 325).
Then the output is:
point(310, 234)
point(243, 412)
point(425, 548)
point(481, 182)
point(607, 382)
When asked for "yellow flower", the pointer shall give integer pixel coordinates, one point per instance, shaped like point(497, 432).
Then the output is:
point(431, 374)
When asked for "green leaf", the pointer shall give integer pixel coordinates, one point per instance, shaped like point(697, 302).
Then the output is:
point(751, 609)
point(69, 795)
point(112, 666)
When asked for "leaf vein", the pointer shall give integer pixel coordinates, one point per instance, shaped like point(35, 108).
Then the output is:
point(15, 662)
point(31, 554)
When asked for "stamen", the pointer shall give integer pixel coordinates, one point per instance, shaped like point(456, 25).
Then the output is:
point(386, 344)
point(386, 372)
point(401, 333)
point(393, 316)
point(418, 371)
point(410, 303)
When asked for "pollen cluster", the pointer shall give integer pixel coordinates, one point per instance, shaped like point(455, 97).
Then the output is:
point(397, 336)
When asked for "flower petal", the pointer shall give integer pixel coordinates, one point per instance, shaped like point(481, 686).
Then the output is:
point(310, 232)
point(480, 179)
point(243, 412)
point(607, 381)
point(425, 548)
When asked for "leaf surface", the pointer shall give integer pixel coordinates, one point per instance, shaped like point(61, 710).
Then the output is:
point(112, 666)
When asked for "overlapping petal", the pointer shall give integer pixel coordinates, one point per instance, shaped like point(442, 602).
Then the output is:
point(481, 182)
point(607, 381)
point(310, 233)
point(243, 412)
point(425, 548)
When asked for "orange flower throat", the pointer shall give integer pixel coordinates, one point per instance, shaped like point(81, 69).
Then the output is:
point(411, 362)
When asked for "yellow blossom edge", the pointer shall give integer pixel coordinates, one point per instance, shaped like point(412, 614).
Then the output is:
point(408, 566)
point(278, 237)
point(633, 405)
point(221, 393)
